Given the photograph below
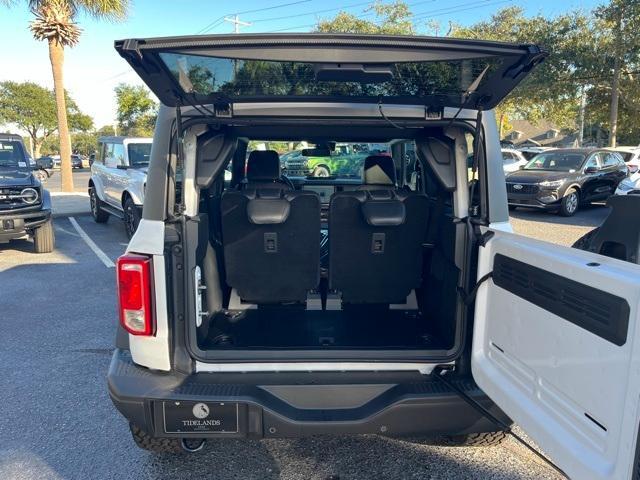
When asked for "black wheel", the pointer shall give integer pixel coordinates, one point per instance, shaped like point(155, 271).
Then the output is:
point(321, 171)
point(570, 203)
point(99, 215)
point(155, 444)
point(131, 216)
point(584, 242)
point(43, 238)
point(486, 439)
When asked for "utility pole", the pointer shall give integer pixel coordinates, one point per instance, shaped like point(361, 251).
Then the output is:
point(583, 101)
point(236, 23)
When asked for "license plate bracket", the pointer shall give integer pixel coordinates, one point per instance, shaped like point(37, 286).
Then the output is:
point(200, 417)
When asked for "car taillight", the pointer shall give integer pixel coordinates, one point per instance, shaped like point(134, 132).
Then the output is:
point(135, 294)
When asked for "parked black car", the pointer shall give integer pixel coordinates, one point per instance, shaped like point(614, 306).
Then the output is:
point(76, 161)
point(45, 162)
point(25, 206)
point(563, 179)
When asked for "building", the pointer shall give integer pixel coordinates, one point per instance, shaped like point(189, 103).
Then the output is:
point(540, 134)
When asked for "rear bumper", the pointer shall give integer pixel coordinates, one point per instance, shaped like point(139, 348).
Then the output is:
point(14, 225)
point(296, 405)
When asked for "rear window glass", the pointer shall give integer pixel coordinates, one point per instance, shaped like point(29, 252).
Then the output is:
point(340, 160)
point(139, 154)
point(231, 77)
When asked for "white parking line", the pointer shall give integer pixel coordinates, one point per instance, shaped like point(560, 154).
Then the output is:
point(96, 249)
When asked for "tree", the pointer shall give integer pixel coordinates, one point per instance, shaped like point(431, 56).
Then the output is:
point(392, 19)
point(620, 19)
point(33, 109)
point(55, 23)
point(137, 111)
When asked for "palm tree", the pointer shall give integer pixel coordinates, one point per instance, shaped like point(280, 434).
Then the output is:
point(55, 24)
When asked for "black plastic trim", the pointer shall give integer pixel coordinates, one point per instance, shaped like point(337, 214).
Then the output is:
point(599, 312)
point(412, 404)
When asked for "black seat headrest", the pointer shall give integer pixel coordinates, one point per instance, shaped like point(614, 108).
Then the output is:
point(379, 170)
point(263, 166)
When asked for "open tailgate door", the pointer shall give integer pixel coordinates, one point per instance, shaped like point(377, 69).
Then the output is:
point(555, 345)
point(436, 72)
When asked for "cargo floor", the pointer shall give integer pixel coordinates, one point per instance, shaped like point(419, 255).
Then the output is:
point(297, 328)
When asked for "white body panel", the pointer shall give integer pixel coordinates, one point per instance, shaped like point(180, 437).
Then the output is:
point(550, 375)
point(629, 184)
point(513, 160)
point(152, 352)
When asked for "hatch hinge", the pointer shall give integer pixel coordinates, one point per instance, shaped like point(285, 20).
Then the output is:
point(131, 46)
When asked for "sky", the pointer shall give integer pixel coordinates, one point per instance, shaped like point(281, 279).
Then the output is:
point(93, 68)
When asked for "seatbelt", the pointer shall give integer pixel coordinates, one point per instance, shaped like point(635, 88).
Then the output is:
point(434, 224)
point(438, 375)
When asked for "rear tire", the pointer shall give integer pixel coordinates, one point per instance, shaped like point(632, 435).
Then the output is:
point(485, 439)
point(570, 203)
point(43, 238)
point(131, 216)
point(99, 215)
point(155, 444)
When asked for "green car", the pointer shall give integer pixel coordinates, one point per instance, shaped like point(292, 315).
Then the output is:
point(345, 161)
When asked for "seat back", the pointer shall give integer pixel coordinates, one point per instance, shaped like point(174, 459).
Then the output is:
point(375, 244)
point(271, 244)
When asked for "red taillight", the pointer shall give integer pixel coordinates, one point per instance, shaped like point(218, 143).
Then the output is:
point(135, 294)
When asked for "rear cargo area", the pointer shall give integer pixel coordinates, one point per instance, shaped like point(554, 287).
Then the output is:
point(293, 328)
point(369, 260)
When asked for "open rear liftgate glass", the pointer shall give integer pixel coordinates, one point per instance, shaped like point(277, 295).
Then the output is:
point(222, 70)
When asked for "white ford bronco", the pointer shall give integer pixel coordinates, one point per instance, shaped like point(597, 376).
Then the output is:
point(396, 301)
point(118, 180)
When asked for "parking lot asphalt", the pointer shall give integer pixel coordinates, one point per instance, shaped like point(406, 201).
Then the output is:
point(57, 422)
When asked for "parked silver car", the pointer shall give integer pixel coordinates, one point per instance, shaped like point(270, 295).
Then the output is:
point(118, 179)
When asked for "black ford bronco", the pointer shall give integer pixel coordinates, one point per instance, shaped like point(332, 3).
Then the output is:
point(25, 206)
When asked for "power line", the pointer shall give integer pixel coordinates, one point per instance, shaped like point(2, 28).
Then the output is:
point(435, 13)
point(220, 19)
point(342, 8)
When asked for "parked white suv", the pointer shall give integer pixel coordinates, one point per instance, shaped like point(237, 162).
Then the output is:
point(118, 179)
point(285, 307)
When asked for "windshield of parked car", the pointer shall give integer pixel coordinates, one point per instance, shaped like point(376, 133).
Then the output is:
point(558, 161)
point(12, 155)
point(139, 154)
point(339, 160)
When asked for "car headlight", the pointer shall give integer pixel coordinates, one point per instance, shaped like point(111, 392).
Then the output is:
point(625, 187)
point(551, 183)
point(29, 195)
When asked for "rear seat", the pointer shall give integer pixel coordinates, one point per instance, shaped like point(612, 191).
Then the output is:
point(270, 236)
point(375, 238)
